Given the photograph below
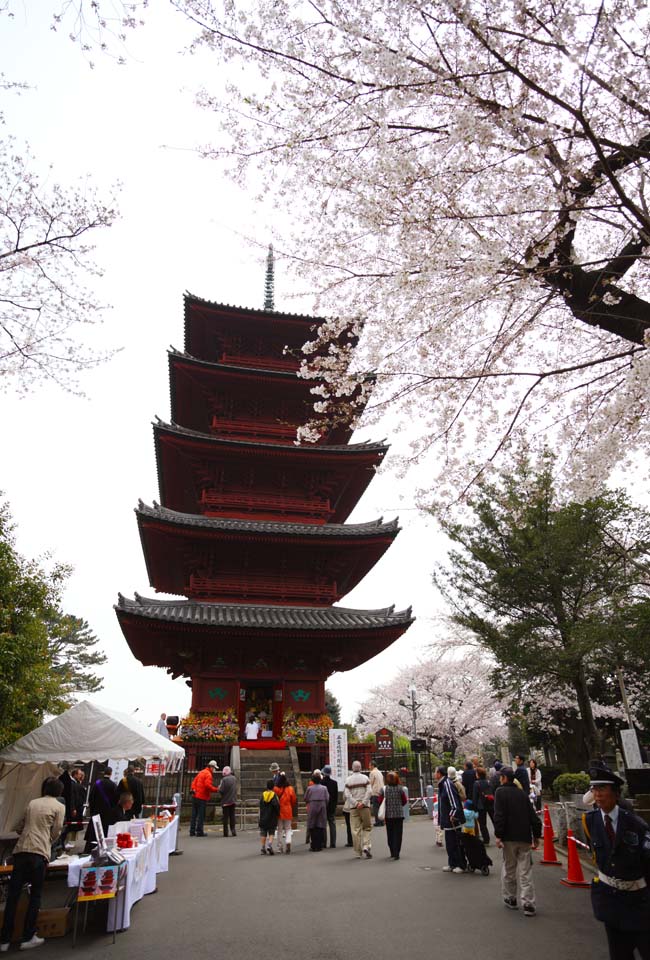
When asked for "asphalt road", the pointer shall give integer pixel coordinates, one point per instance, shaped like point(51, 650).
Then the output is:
point(222, 899)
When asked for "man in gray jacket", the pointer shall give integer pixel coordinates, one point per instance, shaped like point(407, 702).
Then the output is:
point(356, 795)
point(228, 794)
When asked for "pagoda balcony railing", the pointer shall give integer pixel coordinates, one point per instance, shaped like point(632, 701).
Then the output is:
point(289, 364)
point(311, 508)
point(262, 589)
point(270, 430)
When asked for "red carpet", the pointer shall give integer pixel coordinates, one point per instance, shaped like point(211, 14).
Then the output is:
point(265, 744)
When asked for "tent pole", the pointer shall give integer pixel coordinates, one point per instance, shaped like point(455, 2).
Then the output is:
point(155, 813)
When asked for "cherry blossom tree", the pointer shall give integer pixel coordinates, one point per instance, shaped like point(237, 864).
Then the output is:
point(469, 183)
point(45, 251)
point(458, 711)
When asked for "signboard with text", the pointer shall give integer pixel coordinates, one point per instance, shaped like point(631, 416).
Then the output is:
point(384, 741)
point(339, 756)
point(155, 768)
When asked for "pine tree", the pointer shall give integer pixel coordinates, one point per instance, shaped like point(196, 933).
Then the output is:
point(269, 283)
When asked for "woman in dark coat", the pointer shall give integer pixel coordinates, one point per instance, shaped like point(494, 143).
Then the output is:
point(483, 800)
point(394, 796)
point(317, 797)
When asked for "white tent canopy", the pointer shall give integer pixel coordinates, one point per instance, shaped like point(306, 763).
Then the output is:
point(85, 732)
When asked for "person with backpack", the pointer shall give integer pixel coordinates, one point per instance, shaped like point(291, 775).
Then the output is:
point(268, 819)
point(483, 801)
point(202, 789)
point(620, 845)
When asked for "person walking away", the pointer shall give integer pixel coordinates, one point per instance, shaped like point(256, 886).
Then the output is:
point(394, 796)
point(268, 820)
point(39, 829)
point(228, 795)
point(317, 798)
point(620, 845)
point(376, 786)
point(517, 829)
point(521, 773)
point(450, 820)
point(357, 794)
point(483, 800)
point(202, 789)
point(468, 778)
point(535, 776)
point(288, 803)
point(457, 783)
point(333, 790)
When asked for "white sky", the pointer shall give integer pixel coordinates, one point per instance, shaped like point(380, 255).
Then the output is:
point(73, 469)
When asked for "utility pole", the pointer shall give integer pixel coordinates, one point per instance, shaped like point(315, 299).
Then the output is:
point(414, 706)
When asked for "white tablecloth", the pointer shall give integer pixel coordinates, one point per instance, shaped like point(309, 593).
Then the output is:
point(144, 862)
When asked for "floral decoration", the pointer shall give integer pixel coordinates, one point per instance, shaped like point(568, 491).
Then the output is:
point(295, 727)
point(216, 727)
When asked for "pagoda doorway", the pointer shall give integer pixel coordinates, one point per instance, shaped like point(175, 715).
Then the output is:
point(262, 700)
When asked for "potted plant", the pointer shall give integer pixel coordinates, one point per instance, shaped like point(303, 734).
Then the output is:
point(571, 786)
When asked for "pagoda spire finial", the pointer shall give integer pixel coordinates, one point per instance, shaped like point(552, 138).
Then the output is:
point(269, 282)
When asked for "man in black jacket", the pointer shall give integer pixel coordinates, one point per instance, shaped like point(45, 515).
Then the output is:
point(450, 819)
point(517, 829)
point(333, 790)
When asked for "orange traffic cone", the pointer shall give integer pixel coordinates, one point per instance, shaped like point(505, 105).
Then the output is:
point(574, 877)
point(550, 856)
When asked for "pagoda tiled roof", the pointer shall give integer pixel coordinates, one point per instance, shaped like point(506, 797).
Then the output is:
point(309, 448)
point(283, 376)
point(251, 311)
point(263, 617)
point(372, 528)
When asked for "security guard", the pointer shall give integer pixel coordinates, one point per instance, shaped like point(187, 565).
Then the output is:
point(620, 844)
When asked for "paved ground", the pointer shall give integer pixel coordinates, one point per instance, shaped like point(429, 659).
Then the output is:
point(222, 899)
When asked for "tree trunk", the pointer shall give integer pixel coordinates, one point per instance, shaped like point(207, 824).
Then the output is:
point(590, 739)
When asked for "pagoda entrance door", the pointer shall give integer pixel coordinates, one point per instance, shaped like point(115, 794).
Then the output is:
point(261, 699)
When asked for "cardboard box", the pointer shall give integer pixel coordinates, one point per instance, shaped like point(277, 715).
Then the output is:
point(52, 921)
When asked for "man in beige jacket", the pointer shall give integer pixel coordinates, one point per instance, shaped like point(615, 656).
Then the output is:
point(42, 825)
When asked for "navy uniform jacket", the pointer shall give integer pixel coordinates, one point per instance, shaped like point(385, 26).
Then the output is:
point(629, 859)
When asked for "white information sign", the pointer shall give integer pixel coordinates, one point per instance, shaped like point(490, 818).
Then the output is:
point(339, 756)
point(630, 744)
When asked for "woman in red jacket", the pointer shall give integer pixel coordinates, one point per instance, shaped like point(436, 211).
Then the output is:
point(288, 801)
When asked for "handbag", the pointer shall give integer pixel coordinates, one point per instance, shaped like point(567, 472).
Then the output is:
point(381, 813)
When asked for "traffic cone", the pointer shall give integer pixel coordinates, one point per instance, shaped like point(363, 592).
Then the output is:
point(550, 856)
point(574, 877)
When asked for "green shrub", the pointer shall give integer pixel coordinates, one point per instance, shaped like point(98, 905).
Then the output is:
point(568, 783)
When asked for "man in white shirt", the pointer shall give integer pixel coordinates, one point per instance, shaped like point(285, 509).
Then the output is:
point(161, 726)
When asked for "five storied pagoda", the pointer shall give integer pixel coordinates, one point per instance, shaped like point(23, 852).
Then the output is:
point(250, 531)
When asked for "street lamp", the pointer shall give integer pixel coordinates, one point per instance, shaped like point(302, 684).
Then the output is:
point(414, 706)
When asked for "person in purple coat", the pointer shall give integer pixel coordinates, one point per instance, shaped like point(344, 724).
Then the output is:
point(317, 797)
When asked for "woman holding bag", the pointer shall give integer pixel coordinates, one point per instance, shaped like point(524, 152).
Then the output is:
point(393, 800)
